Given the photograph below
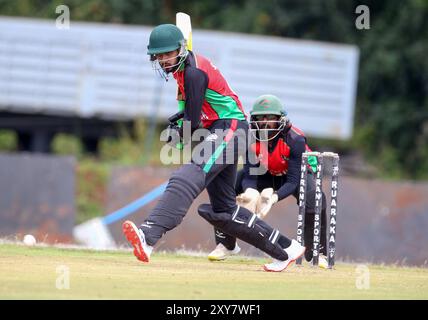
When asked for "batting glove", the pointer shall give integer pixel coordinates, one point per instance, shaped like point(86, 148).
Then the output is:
point(173, 136)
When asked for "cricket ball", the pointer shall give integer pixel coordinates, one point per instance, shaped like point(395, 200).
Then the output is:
point(29, 240)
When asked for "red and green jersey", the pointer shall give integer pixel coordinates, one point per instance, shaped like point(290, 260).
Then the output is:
point(205, 93)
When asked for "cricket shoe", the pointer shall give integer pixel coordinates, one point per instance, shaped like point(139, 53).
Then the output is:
point(221, 252)
point(136, 238)
point(294, 252)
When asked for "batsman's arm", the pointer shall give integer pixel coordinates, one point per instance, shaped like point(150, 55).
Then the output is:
point(195, 86)
point(293, 173)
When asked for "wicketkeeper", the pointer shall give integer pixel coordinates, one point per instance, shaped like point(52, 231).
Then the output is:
point(278, 147)
point(209, 101)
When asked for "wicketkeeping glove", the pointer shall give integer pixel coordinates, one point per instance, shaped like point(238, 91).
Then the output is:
point(267, 199)
point(248, 199)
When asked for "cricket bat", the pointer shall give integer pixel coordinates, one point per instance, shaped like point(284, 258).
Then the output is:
point(183, 22)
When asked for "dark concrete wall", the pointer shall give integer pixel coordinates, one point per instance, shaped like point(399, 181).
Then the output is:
point(37, 196)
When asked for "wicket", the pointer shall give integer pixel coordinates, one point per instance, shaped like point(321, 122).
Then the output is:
point(331, 242)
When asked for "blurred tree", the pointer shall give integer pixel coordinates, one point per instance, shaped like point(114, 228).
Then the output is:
point(66, 144)
point(8, 140)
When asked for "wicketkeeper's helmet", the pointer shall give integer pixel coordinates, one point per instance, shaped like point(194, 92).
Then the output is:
point(265, 106)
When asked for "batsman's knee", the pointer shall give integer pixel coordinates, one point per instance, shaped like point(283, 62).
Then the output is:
point(245, 225)
point(217, 219)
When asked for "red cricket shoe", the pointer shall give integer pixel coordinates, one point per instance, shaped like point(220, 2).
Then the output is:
point(136, 238)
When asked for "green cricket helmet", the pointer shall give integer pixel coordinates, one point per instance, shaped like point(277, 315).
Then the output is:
point(267, 104)
point(166, 38)
point(268, 117)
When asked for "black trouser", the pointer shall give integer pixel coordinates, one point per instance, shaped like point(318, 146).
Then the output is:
point(213, 166)
point(215, 170)
point(269, 181)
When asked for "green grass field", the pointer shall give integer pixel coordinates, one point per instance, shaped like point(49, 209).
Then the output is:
point(31, 273)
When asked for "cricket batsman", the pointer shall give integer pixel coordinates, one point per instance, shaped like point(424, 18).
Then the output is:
point(209, 102)
point(278, 146)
